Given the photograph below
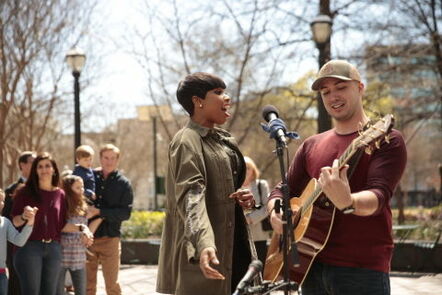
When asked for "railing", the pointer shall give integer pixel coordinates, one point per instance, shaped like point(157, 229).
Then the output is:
point(403, 231)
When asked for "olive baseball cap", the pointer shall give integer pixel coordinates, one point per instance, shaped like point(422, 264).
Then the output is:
point(340, 69)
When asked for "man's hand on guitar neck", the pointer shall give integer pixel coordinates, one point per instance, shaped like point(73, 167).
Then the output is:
point(334, 184)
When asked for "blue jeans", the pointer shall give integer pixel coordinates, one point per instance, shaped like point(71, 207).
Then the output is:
point(3, 284)
point(78, 281)
point(38, 266)
point(324, 279)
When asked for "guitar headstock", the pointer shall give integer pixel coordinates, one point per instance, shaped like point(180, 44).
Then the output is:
point(372, 136)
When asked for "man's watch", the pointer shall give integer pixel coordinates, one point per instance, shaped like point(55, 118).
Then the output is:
point(348, 210)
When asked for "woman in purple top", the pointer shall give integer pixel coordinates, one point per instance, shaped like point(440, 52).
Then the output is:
point(38, 262)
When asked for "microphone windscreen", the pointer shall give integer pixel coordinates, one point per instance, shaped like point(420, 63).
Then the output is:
point(267, 110)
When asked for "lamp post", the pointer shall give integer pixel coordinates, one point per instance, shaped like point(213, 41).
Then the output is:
point(321, 28)
point(76, 58)
point(155, 175)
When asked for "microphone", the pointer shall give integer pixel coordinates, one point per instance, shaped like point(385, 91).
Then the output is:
point(276, 125)
point(254, 268)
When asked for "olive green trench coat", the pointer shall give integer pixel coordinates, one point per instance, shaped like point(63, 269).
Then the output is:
point(199, 213)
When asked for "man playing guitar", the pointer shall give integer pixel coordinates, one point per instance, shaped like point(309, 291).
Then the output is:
point(357, 249)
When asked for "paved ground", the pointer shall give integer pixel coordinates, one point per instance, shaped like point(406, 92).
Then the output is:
point(140, 280)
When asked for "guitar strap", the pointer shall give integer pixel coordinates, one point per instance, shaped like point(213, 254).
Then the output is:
point(353, 162)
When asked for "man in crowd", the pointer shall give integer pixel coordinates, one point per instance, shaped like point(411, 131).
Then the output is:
point(24, 164)
point(114, 196)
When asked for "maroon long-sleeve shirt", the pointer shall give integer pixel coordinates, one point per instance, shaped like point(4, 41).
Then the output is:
point(51, 215)
point(354, 241)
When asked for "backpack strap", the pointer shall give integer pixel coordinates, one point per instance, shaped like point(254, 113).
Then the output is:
point(259, 189)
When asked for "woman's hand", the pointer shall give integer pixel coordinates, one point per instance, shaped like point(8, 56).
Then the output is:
point(208, 255)
point(29, 214)
point(244, 198)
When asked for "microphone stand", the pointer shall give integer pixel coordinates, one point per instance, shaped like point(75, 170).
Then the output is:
point(287, 227)
point(267, 287)
point(287, 237)
point(278, 131)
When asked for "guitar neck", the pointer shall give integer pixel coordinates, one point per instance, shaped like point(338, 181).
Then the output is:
point(343, 159)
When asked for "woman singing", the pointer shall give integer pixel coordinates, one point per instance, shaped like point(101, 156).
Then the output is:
point(205, 247)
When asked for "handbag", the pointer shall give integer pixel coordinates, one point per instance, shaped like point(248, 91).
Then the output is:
point(265, 223)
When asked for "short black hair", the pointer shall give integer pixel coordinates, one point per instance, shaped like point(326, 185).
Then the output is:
point(23, 158)
point(196, 84)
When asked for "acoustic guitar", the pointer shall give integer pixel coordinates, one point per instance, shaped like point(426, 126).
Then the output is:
point(314, 224)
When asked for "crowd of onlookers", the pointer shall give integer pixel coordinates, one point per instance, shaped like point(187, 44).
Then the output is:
point(54, 223)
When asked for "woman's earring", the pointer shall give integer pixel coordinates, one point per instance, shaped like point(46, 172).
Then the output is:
point(201, 105)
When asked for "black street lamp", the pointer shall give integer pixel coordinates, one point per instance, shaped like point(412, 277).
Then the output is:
point(155, 175)
point(76, 58)
point(321, 28)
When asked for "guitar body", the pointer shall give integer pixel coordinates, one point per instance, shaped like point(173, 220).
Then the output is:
point(313, 240)
point(311, 234)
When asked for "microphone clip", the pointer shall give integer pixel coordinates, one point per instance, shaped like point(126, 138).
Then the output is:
point(275, 125)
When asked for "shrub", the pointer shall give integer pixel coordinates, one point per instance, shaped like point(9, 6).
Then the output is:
point(143, 225)
point(429, 220)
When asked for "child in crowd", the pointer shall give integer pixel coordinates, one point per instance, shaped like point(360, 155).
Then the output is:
point(74, 243)
point(84, 155)
point(9, 233)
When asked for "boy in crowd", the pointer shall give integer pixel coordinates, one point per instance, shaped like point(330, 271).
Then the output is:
point(84, 156)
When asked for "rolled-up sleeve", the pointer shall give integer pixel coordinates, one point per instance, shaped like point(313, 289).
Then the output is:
point(386, 168)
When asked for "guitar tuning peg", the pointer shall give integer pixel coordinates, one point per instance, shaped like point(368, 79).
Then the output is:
point(377, 143)
point(369, 150)
point(387, 138)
